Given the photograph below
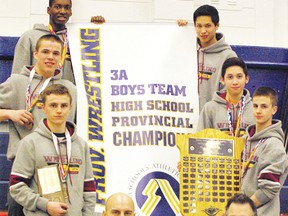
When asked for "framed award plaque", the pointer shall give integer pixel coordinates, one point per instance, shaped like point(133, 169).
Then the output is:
point(49, 183)
point(210, 171)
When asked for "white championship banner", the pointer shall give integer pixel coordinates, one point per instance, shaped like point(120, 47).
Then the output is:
point(137, 88)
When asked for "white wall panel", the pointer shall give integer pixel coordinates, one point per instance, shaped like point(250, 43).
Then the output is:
point(239, 36)
point(173, 9)
point(39, 7)
point(15, 8)
point(145, 1)
point(280, 23)
point(13, 26)
point(130, 11)
point(258, 22)
point(264, 22)
point(249, 3)
point(244, 18)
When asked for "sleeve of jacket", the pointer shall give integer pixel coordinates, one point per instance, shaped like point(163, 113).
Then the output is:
point(8, 93)
point(23, 171)
point(204, 120)
point(274, 164)
point(89, 186)
point(23, 54)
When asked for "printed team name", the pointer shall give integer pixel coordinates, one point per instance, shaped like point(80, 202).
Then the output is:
point(225, 125)
point(55, 159)
point(92, 74)
point(160, 89)
point(207, 68)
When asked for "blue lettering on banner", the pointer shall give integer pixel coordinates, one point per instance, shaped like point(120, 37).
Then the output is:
point(144, 138)
point(160, 89)
point(127, 90)
point(163, 89)
point(119, 75)
point(91, 66)
point(99, 172)
point(151, 120)
point(126, 106)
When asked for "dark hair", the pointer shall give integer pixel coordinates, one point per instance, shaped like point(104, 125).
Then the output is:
point(207, 10)
point(267, 91)
point(57, 89)
point(234, 61)
point(241, 199)
point(51, 37)
point(51, 2)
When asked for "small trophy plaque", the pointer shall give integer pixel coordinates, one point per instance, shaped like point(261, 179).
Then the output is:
point(49, 184)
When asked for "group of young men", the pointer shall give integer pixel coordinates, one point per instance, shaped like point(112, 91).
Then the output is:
point(223, 75)
point(39, 101)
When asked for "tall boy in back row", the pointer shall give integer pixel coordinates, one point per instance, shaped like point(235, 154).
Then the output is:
point(265, 163)
point(59, 12)
point(212, 51)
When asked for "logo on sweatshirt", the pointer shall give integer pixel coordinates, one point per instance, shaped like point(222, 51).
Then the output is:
point(205, 71)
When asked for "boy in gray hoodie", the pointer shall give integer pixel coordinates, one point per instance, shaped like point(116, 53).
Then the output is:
point(54, 142)
point(59, 12)
point(265, 163)
point(19, 94)
point(230, 110)
point(212, 51)
point(19, 97)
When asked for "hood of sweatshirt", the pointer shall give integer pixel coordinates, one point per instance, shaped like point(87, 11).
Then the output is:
point(217, 47)
point(26, 70)
point(44, 28)
point(274, 130)
point(219, 96)
point(44, 130)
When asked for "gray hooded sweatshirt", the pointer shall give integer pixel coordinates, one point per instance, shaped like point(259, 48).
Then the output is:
point(268, 168)
point(36, 151)
point(210, 61)
point(26, 44)
point(214, 114)
point(13, 96)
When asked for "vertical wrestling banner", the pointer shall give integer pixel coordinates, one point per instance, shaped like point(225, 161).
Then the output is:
point(137, 88)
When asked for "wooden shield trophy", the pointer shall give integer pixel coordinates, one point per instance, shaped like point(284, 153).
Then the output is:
point(210, 171)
